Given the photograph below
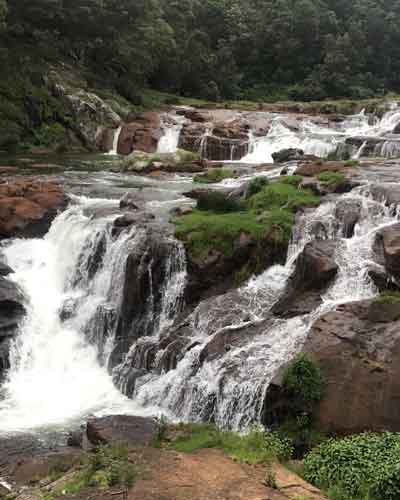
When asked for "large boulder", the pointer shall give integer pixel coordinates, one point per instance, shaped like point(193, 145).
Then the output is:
point(314, 271)
point(285, 155)
point(387, 249)
point(28, 207)
point(121, 429)
point(88, 115)
point(357, 348)
point(145, 163)
point(314, 168)
point(347, 214)
point(142, 133)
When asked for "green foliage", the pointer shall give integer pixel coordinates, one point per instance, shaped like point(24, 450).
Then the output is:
point(105, 468)
point(331, 178)
point(302, 381)
point(256, 447)
point(282, 195)
point(49, 135)
point(214, 176)
point(352, 163)
point(388, 298)
point(218, 202)
point(361, 466)
point(256, 185)
point(203, 231)
point(292, 180)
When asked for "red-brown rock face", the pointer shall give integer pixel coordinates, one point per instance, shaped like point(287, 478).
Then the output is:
point(140, 134)
point(28, 206)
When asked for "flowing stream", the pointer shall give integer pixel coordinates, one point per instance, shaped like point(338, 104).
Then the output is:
point(68, 361)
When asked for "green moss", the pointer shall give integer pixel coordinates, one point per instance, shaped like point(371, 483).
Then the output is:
point(216, 201)
point(352, 163)
point(206, 231)
point(214, 176)
point(281, 195)
point(257, 447)
point(388, 298)
point(331, 178)
point(293, 180)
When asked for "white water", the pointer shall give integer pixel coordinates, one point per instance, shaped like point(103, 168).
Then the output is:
point(318, 140)
point(114, 150)
point(55, 374)
point(171, 126)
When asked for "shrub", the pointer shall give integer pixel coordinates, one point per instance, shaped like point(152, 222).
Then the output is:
point(352, 163)
point(388, 298)
point(214, 176)
point(217, 202)
point(365, 465)
point(302, 382)
point(331, 178)
point(256, 185)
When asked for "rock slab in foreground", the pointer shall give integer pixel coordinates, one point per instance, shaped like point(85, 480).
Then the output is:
point(128, 430)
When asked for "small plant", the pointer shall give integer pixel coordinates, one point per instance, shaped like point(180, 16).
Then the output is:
point(292, 180)
point(331, 178)
point(162, 427)
point(213, 176)
point(256, 185)
point(352, 163)
point(270, 479)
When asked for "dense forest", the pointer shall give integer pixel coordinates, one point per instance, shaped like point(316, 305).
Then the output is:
point(262, 50)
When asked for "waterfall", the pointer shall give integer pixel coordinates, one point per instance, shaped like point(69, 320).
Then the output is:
point(73, 279)
point(171, 126)
point(117, 133)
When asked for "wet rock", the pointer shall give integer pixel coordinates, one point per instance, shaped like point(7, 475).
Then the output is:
point(387, 247)
point(130, 200)
point(381, 278)
point(387, 193)
point(130, 219)
point(286, 155)
point(140, 134)
point(396, 129)
point(181, 161)
point(313, 169)
point(314, 271)
point(348, 213)
point(5, 270)
point(121, 429)
point(28, 206)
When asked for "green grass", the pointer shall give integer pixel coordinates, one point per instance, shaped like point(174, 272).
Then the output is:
point(331, 178)
point(257, 447)
point(388, 298)
point(293, 180)
point(352, 163)
point(213, 176)
point(203, 231)
point(283, 195)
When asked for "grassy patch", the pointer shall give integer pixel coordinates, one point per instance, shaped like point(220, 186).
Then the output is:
point(331, 178)
point(283, 195)
point(218, 202)
point(257, 447)
point(352, 163)
point(388, 298)
point(105, 468)
point(256, 185)
point(215, 175)
point(365, 466)
point(292, 180)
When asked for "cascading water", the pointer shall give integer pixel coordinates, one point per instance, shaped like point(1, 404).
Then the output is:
point(114, 150)
point(58, 364)
point(315, 139)
point(172, 126)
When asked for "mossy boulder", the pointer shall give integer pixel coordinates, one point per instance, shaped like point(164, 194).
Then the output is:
point(181, 161)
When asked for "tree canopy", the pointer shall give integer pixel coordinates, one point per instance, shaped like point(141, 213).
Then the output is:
point(250, 49)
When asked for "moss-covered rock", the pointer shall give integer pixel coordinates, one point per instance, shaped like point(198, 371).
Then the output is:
point(181, 161)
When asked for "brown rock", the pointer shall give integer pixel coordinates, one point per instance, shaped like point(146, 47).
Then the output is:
point(313, 169)
point(131, 431)
point(142, 134)
point(387, 246)
point(28, 206)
